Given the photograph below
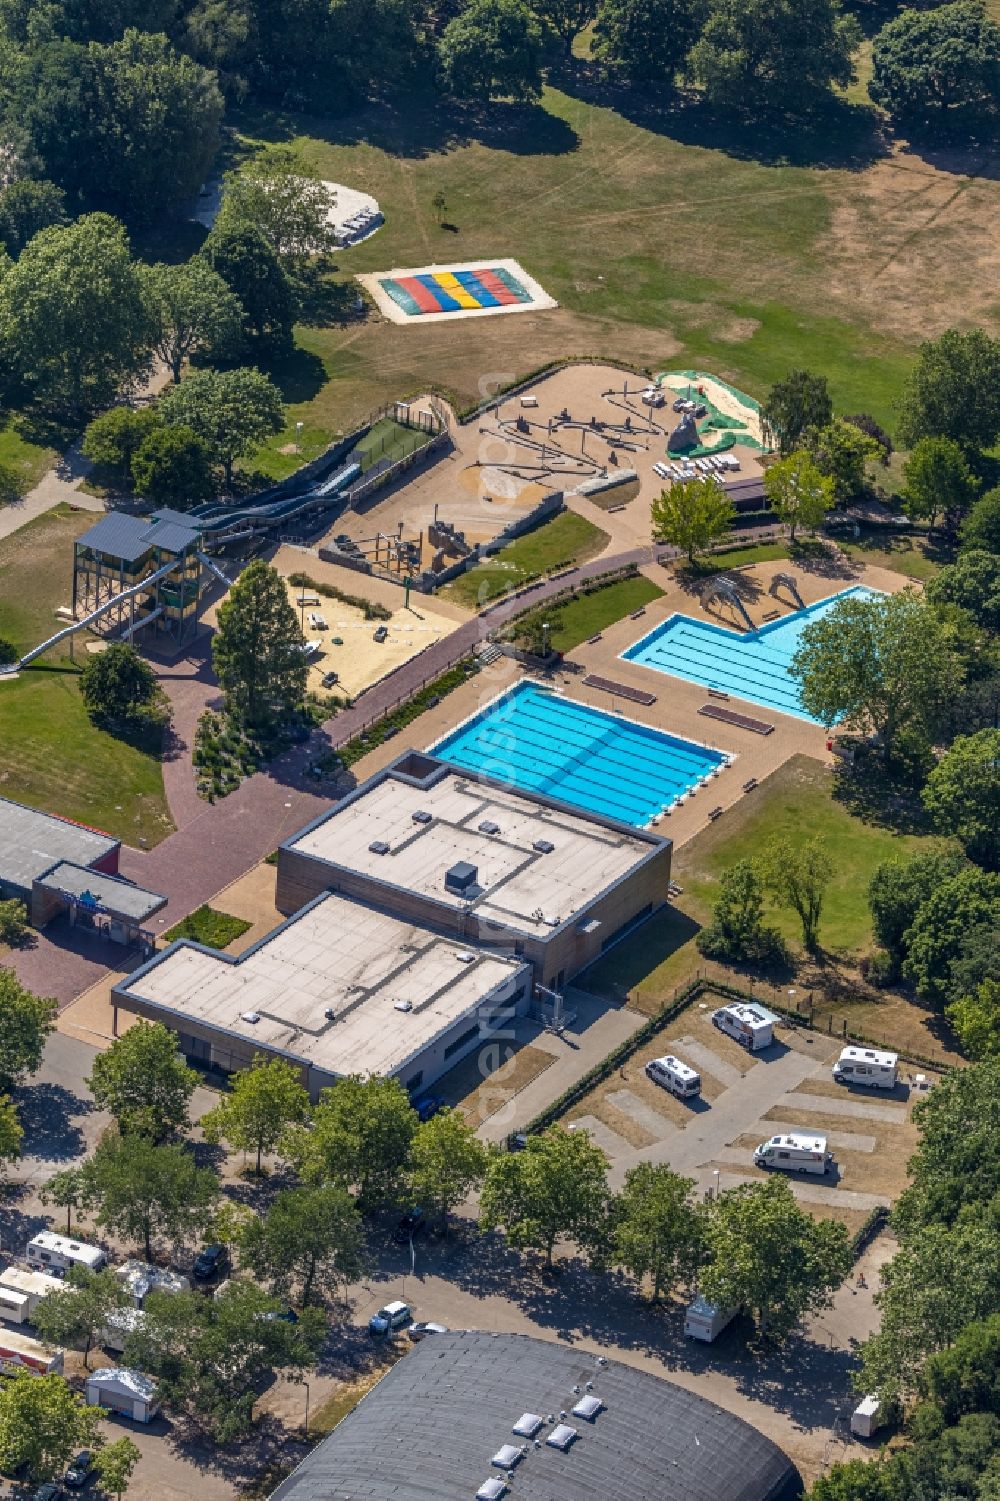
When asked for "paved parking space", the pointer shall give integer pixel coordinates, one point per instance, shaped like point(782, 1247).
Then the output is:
point(859, 1110)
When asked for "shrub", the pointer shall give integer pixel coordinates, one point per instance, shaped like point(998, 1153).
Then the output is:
point(13, 922)
point(880, 968)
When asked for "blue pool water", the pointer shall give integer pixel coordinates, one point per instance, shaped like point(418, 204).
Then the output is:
point(752, 666)
point(539, 741)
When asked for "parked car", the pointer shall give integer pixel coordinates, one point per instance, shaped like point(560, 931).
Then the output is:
point(309, 648)
point(317, 622)
point(331, 679)
point(210, 1261)
point(428, 1106)
point(381, 634)
point(416, 1332)
point(392, 1317)
point(409, 1226)
point(80, 1471)
point(49, 1490)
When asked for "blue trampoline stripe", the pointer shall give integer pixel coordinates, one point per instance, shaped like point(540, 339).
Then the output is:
point(448, 304)
point(470, 281)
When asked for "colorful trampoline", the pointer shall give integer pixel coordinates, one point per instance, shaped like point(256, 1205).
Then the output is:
point(460, 291)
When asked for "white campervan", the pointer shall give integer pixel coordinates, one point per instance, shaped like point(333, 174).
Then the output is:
point(55, 1254)
point(751, 1026)
point(670, 1073)
point(795, 1153)
point(867, 1066)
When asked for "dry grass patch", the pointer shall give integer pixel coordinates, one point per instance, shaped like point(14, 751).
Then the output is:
point(484, 1082)
point(598, 1107)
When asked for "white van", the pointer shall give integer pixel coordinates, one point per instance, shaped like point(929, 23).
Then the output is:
point(795, 1153)
point(55, 1254)
point(670, 1073)
point(867, 1066)
point(751, 1026)
point(704, 1321)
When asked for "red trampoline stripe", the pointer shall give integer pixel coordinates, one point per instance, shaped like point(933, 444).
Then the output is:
point(425, 301)
point(493, 284)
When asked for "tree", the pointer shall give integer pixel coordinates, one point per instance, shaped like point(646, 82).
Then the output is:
point(955, 1172)
point(11, 1130)
point(966, 1376)
point(898, 888)
point(962, 794)
point(622, 38)
point(976, 1019)
point(981, 528)
point(27, 206)
point(492, 50)
point(840, 450)
point(78, 1314)
point(173, 467)
point(155, 118)
point(265, 1099)
point(118, 687)
point(973, 583)
point(737, 933)
point(279, 195)
point(657, 1227)
point(954, 392)
point(447, 1161)
point(798, 873)
point(771, 1258)
point(978, 959)
point(798, 492)
point(249, 266)
point(852, 1480)
point(556, 1186)
point(69, 1190)
point(360, 1138)
point(938, 70)
point(72, 317)
point(937, 479)
point(233, 411)
point(794, 406)
point(867, 424)
point(939, 1281)
point(144, 1191)
point(143, 1082)
point(440, 203)
point(43, 1422)
point(565, 18)
point(257, 648)
point(13, 922)
point(306, 1233)
point(210, 1357)
point(191, 309)
point(943, 919)
point(26, 1020)
point(878, 664)
point(112, 440)
point(115, 1464)
point(756, 58)
point(692, 514)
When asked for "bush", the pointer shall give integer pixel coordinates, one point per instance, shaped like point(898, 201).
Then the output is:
point(8, 652)
point(880, 968)
point(13, 922)
point(113, 438)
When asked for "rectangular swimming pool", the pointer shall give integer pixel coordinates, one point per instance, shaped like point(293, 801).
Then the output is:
point(752, 665)
point(539, 741)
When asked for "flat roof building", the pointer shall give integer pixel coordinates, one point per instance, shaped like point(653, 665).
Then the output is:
point(504, 1415)
point(494, 866)
point(342, 988)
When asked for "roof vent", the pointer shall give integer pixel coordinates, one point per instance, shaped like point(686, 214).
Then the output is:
point(507, 1456)
point(550, 920)
point(527, 1424)
point(422, 816)
point(561, 1437)
point(491, 1490)
point(543, 846)
point(378, 847)
point(461, 878)
point(402, 1005)
point(489, 827)
point(465, 957)
point(253, 1017)
point(588, 1407)
point(330, 1014)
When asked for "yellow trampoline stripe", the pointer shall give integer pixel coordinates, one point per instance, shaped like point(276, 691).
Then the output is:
point(450, 283)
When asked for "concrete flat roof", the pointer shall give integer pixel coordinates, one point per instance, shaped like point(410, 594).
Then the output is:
point(32, 842)
point(515, 880)
point(102, 893)
point(339, 955)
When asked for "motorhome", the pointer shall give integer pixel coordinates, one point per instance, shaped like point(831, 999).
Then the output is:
point(867, 1066)
point(704, 1321)
point(751, 1026)
point(56, 1254)
point(670, 1073)
point(139, 1279)
point(795, 1153)
point(19, 1353)
point(121, 1322)
point(21, 1292)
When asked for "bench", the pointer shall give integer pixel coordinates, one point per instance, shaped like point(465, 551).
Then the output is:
point(593, 640)
point(739, 721)
point(620, 690)
point(749, 785)
point(637, 614)
point(714, 814)
point(771, 615)
point(718, 693)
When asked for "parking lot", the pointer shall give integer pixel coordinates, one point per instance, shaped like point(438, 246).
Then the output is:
point(745, 1098)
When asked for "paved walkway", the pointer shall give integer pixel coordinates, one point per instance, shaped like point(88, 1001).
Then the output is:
point(60, 483)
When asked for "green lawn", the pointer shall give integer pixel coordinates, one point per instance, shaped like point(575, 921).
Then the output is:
point(25, 462)
point(208, 926)
point(51, 755)
point(584, 616)
point(909, 555)
point(559, 543)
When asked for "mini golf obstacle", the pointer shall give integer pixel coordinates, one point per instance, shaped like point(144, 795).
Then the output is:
point(435, 293)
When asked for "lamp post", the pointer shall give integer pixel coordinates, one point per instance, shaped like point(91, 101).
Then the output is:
point(305, 1427)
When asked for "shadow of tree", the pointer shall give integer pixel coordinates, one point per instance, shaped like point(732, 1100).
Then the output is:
point(880, 796)
point(48, 1115)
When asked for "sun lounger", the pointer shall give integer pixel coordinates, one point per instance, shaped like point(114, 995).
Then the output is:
point(714, 814)
point(750, 784)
